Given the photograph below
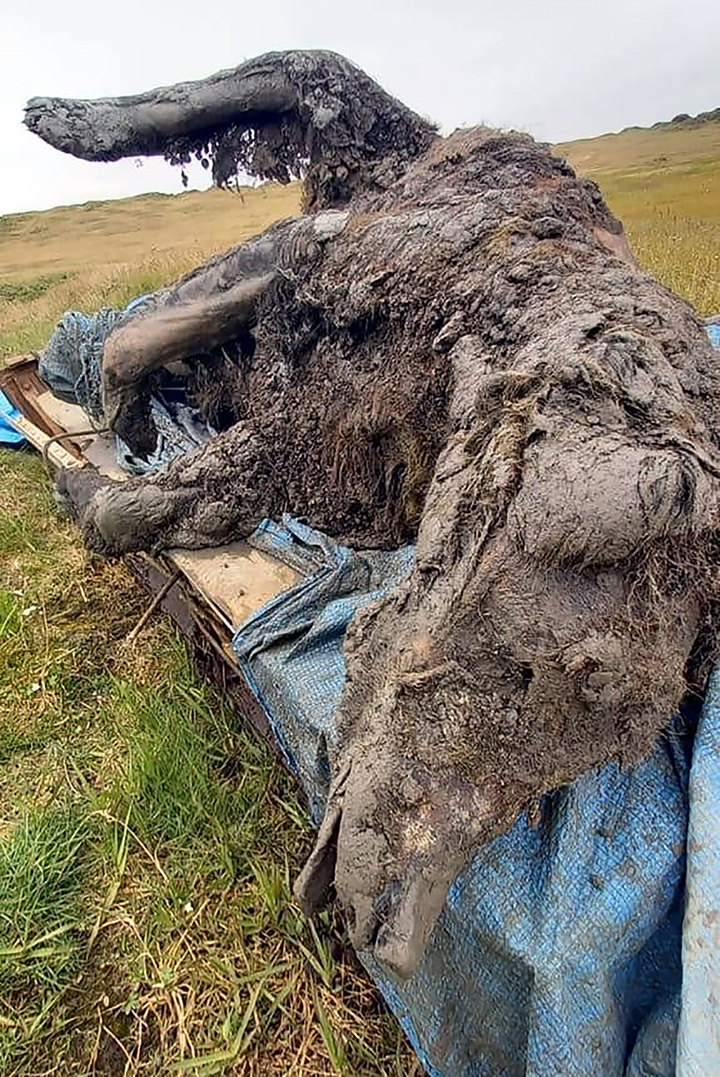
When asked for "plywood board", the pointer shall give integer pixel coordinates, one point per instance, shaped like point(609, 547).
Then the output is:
point(20, 360)
point(101, 454)
point(234, 580)
point(237, 579)
point(68, 416)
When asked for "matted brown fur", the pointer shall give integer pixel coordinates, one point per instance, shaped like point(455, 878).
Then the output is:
point(469, 352)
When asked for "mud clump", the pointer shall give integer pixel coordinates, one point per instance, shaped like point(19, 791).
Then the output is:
point(473, 362)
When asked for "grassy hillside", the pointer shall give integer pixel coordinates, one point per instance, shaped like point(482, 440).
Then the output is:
point(105, 253)
point(146, 843)
point(664, 184)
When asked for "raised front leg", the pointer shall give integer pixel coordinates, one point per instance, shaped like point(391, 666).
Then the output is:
point(167, 334)
point(207, 308)
point(214, 495)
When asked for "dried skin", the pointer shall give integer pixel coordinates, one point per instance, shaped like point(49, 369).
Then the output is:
point(472, 364)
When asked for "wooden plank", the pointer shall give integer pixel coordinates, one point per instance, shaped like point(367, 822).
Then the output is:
point(211, 646)
point(23, 387)
point(20, 360)
point(69, 417)
point(237, 579)
point(56, 453)
point(234, 580)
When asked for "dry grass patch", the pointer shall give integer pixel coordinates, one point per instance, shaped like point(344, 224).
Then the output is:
point(664, 185)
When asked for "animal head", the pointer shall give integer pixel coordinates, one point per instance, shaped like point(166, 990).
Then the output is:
point(284, 115)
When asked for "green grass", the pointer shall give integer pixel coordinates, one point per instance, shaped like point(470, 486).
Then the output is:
point(41, 879)
point(147, 846)
point(28, 290)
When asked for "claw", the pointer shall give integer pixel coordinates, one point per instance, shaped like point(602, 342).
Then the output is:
point(76, 487)
point(129, 415)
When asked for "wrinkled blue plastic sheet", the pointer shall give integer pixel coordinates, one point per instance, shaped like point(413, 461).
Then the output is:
point(9, 436)
point(70, 366)
point(561, 949)
point(713, 331)
point(291, 652)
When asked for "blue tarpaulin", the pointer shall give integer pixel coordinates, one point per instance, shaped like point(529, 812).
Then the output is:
point(8, 434)
point(70, 366)
point(713, 330)
point(560, 949)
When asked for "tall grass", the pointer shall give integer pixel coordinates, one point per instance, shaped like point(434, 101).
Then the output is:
point(147, 847)
point(41, 877)
point(27, 323)
point(665, 186)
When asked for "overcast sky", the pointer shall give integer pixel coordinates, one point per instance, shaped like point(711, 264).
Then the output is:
point(560, 69)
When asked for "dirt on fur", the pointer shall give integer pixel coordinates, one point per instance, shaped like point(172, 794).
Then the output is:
point(468, 364)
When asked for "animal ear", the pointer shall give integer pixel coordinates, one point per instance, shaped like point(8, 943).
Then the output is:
point(271, 117)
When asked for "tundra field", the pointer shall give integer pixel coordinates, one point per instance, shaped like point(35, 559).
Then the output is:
point(147, 842)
